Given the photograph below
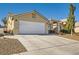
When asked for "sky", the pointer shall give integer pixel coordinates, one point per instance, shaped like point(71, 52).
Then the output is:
point(56, 11)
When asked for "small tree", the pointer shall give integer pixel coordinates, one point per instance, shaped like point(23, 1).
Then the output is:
point(71, 20)
point(4, 21)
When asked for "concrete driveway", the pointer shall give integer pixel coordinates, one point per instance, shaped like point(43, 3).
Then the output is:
point(48, 45)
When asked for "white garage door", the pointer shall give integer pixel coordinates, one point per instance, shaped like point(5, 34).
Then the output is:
point(26, 27)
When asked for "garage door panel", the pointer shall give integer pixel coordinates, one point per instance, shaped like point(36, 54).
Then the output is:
point(31, 27)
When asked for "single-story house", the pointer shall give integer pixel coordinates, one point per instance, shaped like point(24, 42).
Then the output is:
point(27, 23)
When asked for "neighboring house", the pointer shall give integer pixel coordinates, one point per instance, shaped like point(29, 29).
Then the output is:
point(63, 21)
point(76, 25)
point(54, 26)
point(27, 23)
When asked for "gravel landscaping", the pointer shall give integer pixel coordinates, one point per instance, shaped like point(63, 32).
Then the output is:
point(74, 36)
point(10, 46)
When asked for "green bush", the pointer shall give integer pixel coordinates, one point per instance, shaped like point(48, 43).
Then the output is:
point(65, 31)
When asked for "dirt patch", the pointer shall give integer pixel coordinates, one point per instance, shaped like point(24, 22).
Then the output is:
point(10, 46)
point(74, 36)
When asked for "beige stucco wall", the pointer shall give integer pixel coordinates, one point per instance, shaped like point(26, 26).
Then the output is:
point(77, 29)
point(16, 27)
point(46, 28)
point(1, 30)
point(28, 17)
